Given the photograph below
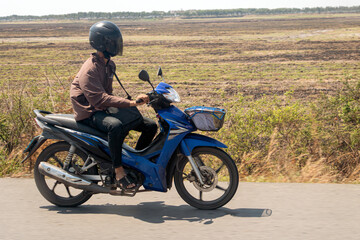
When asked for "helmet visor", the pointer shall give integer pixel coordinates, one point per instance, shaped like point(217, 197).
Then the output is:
point(114, 46)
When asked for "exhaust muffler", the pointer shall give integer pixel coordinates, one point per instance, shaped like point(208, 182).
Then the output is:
point(66, 178)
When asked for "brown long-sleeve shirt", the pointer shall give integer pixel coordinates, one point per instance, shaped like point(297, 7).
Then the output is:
point(91, 90)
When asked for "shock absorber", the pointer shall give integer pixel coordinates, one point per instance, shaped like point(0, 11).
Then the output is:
point(69, 157)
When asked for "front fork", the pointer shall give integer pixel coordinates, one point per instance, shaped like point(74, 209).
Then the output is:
point(187, 153)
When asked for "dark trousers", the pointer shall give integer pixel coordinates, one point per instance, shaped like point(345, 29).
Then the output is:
point(117, 132)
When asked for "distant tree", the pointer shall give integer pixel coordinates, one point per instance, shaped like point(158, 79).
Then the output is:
point(185, 14)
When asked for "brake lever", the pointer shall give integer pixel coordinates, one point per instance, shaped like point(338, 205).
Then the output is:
point(149, 103)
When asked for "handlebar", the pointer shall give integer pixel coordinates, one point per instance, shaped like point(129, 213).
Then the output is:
point(153, 95)
point(157, 100)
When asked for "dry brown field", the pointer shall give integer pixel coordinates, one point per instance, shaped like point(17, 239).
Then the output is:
point(200, 57)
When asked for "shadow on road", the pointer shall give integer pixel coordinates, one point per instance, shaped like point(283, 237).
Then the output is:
point(158, 212)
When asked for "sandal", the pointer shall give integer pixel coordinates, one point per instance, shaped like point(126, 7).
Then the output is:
point(125, 182)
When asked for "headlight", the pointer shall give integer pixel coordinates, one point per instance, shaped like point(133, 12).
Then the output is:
point(172, 95)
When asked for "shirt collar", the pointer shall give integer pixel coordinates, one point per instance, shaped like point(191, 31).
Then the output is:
point(97, 58)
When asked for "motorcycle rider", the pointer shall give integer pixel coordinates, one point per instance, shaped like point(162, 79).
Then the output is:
point(91, 96)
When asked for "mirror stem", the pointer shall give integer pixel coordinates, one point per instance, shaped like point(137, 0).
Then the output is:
point(152, 86)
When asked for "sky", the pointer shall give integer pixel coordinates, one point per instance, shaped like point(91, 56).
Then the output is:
point(46, 7)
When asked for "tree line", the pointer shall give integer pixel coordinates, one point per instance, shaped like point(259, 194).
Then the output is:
point(184, 13)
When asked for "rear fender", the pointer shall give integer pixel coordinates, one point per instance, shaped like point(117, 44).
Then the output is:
point(35, 143)
point(49, 132)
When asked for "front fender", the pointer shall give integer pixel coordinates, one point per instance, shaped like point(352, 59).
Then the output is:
point(187, 145)
point(194, 140)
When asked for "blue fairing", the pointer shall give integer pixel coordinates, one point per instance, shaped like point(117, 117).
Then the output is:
point(162, 88)
point(180, 126)
point(176, 118)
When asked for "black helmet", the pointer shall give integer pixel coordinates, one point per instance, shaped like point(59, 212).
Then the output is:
point(106, 37)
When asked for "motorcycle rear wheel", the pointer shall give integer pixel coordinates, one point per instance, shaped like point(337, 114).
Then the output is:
point(221, 177)
point(52, 190)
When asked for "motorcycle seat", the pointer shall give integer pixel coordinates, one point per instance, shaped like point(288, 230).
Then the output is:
point(68, 121)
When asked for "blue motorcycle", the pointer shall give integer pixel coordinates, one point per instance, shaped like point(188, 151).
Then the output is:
point(77, 164)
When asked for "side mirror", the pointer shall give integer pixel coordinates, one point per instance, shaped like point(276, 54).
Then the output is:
point(159, 73)
point(143, 75)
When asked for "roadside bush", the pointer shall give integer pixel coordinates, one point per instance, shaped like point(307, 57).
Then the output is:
point(264, 134)
point(282, 139)
point(17, 126)
point(339, 116)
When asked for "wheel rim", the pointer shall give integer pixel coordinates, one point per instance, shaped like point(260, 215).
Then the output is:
point(57, 188)
point(217, 179)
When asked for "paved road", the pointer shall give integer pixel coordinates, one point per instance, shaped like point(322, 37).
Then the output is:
point(299, 211)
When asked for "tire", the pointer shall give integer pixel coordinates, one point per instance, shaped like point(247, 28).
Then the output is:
point(55, 192)
point(218, 190)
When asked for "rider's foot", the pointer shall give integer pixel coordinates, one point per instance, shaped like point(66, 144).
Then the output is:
point(126, 183)
point(123, 181)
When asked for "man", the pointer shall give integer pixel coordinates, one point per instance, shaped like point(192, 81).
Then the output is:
point(91, 97)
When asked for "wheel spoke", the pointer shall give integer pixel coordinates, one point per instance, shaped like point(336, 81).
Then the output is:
point(184, 176)
point(68, 191)
point(201, 194)
point(57, 160)
point(218, 170)
point(220, 188)
point(55, 184)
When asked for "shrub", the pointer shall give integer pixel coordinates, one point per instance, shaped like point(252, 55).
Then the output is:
point(280, 138)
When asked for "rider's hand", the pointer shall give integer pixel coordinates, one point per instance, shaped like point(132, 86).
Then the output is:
point(143, 97)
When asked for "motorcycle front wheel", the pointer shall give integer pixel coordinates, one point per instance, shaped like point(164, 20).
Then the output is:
point(54, 191)
point(219, 174)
